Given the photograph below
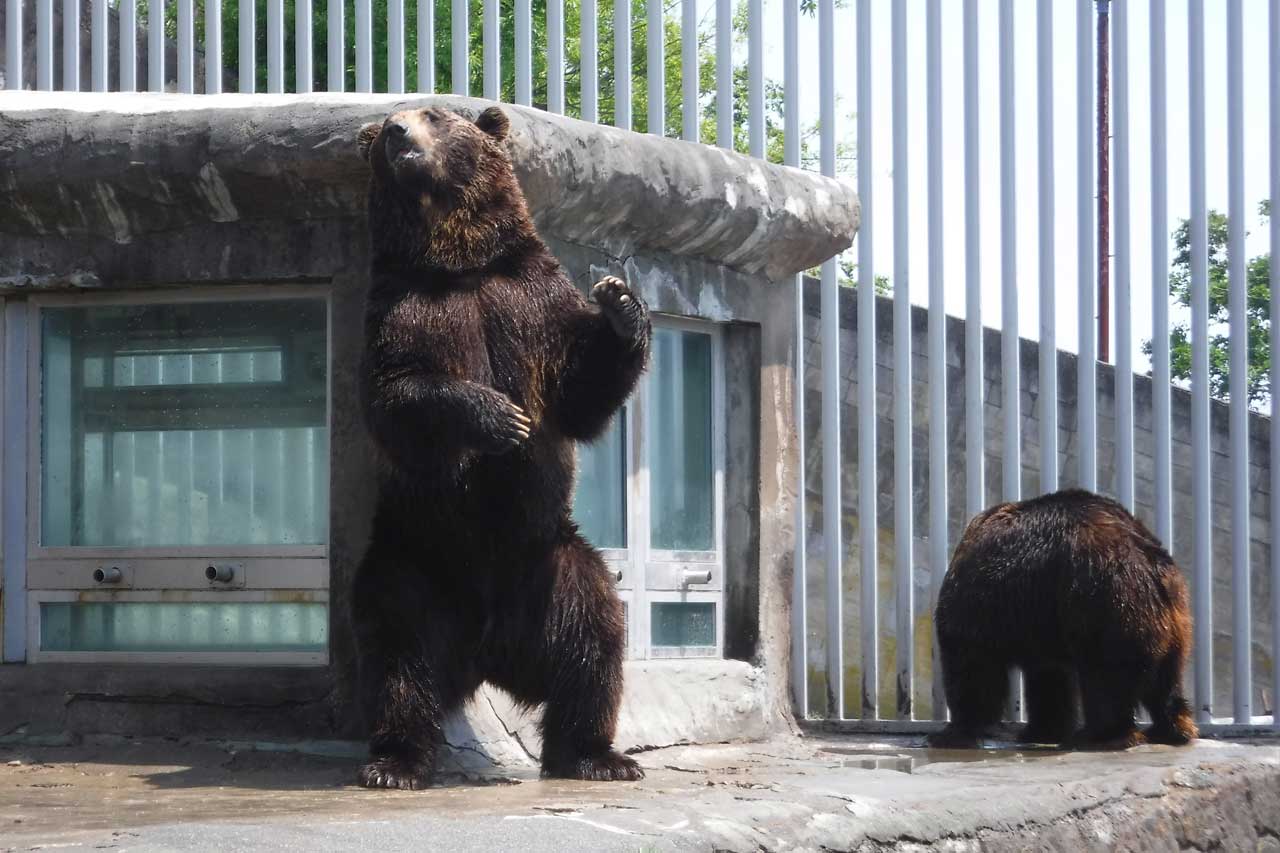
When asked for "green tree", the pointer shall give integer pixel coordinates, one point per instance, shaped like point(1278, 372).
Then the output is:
point(1257, 276)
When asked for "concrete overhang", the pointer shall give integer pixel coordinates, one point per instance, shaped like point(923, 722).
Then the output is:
point(113, 172)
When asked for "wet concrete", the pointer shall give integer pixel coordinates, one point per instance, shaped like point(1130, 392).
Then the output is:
point(820, 793)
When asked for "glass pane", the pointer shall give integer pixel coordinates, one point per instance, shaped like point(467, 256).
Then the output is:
point(680, 465)
point(216, 626)
point(682, 623)
point(185, 424)
point(600, 502)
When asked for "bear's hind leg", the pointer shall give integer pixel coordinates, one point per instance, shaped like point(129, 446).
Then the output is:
point(1110, 695)
point(567, 652)
point(1051, 694)
point(413, 666)
point(976, 688)
point(1171, 718)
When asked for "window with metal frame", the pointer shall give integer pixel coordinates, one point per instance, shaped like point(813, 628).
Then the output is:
point(650, 495)
point(178, 496)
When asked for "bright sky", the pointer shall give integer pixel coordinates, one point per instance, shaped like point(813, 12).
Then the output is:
point(879, 216)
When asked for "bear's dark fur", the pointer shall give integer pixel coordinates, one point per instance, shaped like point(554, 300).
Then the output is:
point(483, 366)
point(1074, 591)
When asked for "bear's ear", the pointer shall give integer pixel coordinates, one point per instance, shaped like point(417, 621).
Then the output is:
point(364, 139)
point(493, 121)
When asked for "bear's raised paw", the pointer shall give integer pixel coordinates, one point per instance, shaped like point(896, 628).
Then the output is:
point(627, 313)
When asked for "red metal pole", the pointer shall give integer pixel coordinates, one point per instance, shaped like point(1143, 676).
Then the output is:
point(1104, 182)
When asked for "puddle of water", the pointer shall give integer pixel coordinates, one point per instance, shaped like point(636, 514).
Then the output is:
point(908, 760)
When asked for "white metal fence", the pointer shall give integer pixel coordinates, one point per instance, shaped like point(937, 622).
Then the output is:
point(584, 65)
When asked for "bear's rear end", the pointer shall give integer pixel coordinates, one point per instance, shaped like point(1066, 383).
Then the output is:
point(1078, 594)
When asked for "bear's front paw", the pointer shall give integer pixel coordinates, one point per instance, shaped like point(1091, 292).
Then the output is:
point(394, 773)
point(505, 427)
point(608, 766)
point(625, 311)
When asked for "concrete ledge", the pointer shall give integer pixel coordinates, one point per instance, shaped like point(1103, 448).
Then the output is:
point(116, 170)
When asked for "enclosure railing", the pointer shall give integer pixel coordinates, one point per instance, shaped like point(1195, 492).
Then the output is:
point(699, 71)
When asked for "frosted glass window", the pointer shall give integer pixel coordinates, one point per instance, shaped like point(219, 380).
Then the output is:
point(185, 424)
point(681, 490)
point(221, 626)
point(680, 623)
point(600, 502)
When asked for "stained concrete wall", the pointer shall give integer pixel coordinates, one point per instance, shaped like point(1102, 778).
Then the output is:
point(1068, 466)
point(135, 192)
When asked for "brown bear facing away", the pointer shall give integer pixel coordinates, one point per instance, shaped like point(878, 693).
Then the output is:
point(483, 366)
point(1074, 591)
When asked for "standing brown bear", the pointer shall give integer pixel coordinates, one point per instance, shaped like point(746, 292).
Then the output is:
point(1074, 591)
point(483, 366)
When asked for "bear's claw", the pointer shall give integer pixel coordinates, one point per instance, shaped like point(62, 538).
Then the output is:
point(626, 311)
point(610, 766)
point(394, 773)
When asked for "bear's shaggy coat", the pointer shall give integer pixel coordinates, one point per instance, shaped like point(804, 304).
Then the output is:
point(483, 366)
point(1074, 591)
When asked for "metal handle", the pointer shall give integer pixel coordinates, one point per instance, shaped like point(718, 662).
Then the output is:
point(617, 575)
point(108, 575)
point(694, 576)
point(221, 574)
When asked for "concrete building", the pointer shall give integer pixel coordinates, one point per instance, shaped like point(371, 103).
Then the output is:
point(187, 482)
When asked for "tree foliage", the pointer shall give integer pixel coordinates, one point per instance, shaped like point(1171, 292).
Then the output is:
point(1257, 277)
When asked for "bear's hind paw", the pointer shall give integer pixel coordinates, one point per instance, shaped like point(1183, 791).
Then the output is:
point(609, 766)
point(394, 773)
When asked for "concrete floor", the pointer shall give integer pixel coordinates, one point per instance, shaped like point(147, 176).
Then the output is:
point(816, 793)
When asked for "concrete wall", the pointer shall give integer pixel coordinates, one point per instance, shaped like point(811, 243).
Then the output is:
point(1068, 465)
point(135, 192)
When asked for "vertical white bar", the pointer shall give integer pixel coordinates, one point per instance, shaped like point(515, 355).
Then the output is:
point(13, 62)
point(1010, 342)
point(1086, 292)
point(491, 45)
point(14, 487)
point(974, 371)
point(868, 534)
point(248, 61)
point(426, 46)
point(129, 45)
point(937, 344)
point(1161, 394)
point(98, 42)
point(301, 46)
point(903, 499)
point(395, 46)
point(461, 44)
point(364, 45)
point(755, 78)
point(791, 156)
point(589, 64)
point(555, 56)
point(622, 64)
point(1274, 51)
point(654, 44)
point(724, 71)
point(1202, 506)
point(1121, 259)
point(187, 46)
point(336, 49)
point(1048, 306)
point(524, 52)
point(832, 509)
point(155, 47)
point(1238, 307)
point(44, 45)
point(275, 45)
point(71, 45)
point(213, 45)
point(689, 67)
